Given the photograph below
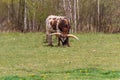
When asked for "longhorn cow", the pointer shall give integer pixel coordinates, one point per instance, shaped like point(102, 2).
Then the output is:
point(59, 26)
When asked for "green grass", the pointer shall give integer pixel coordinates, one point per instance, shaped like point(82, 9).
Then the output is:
point(26, 57)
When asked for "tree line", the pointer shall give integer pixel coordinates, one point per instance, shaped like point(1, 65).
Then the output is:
point(84, 15)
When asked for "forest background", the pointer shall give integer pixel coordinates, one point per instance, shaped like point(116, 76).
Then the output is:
point(85, 15)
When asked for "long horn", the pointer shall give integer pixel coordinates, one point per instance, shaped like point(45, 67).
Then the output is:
point(55, 34)
point(71, 35)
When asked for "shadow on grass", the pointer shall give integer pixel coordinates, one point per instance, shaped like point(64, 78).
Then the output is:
point(74, 74)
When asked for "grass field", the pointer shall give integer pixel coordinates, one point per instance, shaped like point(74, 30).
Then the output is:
point(26, 57)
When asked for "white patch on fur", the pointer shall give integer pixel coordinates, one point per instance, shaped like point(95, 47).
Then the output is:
point(63, 39)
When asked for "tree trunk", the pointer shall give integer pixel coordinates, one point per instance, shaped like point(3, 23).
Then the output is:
point(21, 15)
point(33, 21)
point(64, 3)
point(75, 19)
point(78, 10)
point(98, 11)
point(78, 13)
point(25, 17)
point(70, 10)
point(8, 12)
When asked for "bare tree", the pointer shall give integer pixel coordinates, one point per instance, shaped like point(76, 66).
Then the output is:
point(25, 16)
point(75, 16)
point(21, 15)
point(98, 12)
point(8, 12)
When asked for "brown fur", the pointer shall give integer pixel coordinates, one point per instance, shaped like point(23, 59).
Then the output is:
point(64, 27)
point(59, 24)
point(53, 23)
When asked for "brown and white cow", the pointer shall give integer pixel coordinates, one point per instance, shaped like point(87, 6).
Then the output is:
point(59, 26)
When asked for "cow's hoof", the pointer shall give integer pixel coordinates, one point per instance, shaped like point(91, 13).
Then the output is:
point(68, 45)
point(58, 45)
point(50, 45)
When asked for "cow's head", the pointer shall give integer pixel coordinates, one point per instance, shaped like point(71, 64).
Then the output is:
point(64, 38)
point(64, 27)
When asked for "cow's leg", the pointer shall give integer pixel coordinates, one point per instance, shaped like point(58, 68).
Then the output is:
point(46, 39)
point(68, 42)
point(47, 34)
point(50, 40)
point(58, 41)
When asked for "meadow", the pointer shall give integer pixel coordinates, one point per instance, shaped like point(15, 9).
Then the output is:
point(25, 56)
